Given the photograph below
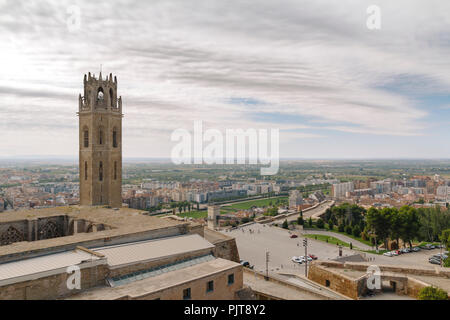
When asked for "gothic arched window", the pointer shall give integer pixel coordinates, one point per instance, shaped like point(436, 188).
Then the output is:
point(49, 231)
point(114, 138)
point(100, 95)
point(11, 235)
point(111, 98)
point(86, 137)
point(100, 171)
point(101, 136)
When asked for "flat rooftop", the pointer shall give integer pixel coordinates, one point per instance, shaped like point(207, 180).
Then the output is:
point(157, 283)
point(29, 269)
point(123, 222)
point(128, 254)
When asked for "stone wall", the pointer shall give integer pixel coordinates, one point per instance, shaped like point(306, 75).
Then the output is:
point(336, 282)
point(160, 262)
point(54, 286)
point(227, 249)
point(222, 291)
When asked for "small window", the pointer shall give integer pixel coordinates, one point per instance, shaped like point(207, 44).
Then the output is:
point(187, 294)
point(100, 171)
point(114, 138)
point(111, 98)
point(115, 170)
point(230, 279)
point(210, 286)
point(85, 170)
point(100, 136)
point(327, 283)
point(86, 138)
point(100, 95)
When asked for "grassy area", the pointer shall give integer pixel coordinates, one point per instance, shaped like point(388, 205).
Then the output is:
point(335, 230)
point(194, 214)
point(255, 203)
point(329, 239)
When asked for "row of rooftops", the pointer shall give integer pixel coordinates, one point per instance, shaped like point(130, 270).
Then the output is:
point(114, 257)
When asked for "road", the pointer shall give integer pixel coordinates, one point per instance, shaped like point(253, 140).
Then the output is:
point(314, 213)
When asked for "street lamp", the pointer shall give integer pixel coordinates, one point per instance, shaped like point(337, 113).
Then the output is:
point(305, 244)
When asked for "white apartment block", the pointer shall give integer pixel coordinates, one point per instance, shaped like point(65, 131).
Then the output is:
point(339, 190)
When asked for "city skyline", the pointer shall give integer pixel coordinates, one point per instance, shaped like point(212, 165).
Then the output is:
point(334, 88)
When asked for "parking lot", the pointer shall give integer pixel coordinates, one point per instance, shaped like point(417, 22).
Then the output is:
point(254, 244)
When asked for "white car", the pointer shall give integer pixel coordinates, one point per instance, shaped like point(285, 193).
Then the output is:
point(388, 254)
point(303, 258)
point(297, 259)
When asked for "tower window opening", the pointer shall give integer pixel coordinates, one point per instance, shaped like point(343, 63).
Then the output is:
point(100, 136)
point(114, 138)
point(115, 170)
point(100, 95)
point(100, 171)
point(111, 98)
point(86, 138)
point(85, 170)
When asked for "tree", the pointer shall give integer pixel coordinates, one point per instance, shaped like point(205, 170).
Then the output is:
point(310, 223)
point(432, 293)
point(348, 230)
point(300, 221)
point(341, 227)
point(330, 224)
point(285, 225)
point(397, 225)
point(379, 222)
point(320, 224)
point(356, 231)
point(445, 238)
point(410, 224)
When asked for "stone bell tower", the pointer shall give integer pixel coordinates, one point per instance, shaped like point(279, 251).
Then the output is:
point(100, 135)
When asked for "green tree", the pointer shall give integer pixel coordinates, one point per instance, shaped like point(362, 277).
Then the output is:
point(300, 221)
point(348, 230)
point(432, 293)
point(445, 238)
point(285, 225)
point(310, 222)
point(356, 231)
point(379, 222)
point(320, 224)
point(410, 224)
point(341, 227)
point(330, 224)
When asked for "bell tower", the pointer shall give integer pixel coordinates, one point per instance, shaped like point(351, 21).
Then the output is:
point(100, 135)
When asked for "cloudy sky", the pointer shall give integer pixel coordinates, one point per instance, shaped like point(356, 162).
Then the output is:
point(313, 69)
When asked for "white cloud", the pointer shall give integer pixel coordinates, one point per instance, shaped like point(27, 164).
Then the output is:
point(180, 61)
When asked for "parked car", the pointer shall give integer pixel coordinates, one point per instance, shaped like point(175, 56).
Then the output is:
point(439, 256)
point(297, 260)
point(388, 254)
point(313, 256)
point(434, 260)
point(416, 249)
point(427, 247)
point(245, 263)
point(294, 236)
point(398, 252)
point(303, 258)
